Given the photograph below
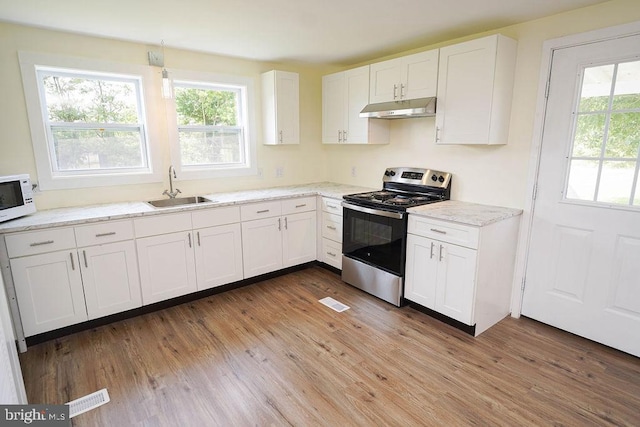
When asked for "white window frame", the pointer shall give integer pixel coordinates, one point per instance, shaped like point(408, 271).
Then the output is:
point(247, 106)
point(48, 178)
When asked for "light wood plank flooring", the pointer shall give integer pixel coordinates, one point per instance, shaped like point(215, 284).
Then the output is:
point(270, 354)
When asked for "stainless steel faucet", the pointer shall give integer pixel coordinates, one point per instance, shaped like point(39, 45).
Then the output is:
point(172, 194)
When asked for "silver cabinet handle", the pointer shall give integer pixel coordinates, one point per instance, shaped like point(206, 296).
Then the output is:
point(111, 233)
point(280, 139)
point(402, 87)
point(344, 136)
point(84, 255)
point(332, 206)
point(279, 224)
point(198, 234)
point(435, 230)
point(440, 255)
point(189, 240)
point(437, 134)
point(73, 264)
point(331, 227)
point(431, 252)
point(331, 254)
point(301, 206)
point(47, 242)
point(395, 91)
point(339, 136)
point(263, 211)
point(286, 225)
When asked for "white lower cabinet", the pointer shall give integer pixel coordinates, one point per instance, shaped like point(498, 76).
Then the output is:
point(332, 232)
point(462, 271)
point(110, 278)
point(49, 291)
point(218, 254)
point(167, 266)
point(285, 237)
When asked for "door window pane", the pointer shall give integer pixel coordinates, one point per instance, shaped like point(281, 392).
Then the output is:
point(616, 181)
point(604, 164)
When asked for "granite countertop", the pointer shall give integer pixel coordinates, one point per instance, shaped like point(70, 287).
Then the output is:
point(96, 213)
point(466, 213)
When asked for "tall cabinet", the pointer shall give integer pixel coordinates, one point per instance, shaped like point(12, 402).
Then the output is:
point(281, 107)
point(344, 95)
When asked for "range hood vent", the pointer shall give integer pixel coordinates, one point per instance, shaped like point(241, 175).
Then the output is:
point(421, 107)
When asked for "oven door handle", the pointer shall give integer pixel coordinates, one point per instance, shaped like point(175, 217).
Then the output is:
point(396, 215)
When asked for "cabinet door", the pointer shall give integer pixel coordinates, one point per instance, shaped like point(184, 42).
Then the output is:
point(421, 271)
point(356, 97)
point(333, 108)
point(287, 108)
point(218, 255)
point(385, 81)
point(167, 266)
point(49, 291)
point(299, 238)
point(110, 278)
point(455, 293)
point(262, 246)
point(475, 84)
point(420, 75)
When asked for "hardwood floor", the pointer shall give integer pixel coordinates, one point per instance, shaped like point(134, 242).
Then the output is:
point(271, 354)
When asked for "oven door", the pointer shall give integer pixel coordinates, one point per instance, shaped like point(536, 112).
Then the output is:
point(375, 237)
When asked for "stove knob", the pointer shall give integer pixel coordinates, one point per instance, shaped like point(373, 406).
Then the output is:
point(392, 173)
point(386, 173)
point(434, 177)
point(441, 179)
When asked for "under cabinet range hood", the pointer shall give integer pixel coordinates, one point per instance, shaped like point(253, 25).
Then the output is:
point(421, 107)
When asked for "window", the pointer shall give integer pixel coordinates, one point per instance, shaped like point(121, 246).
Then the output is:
point(604, 164)
point(212, 134)
point(94, 122)
point(88, 121)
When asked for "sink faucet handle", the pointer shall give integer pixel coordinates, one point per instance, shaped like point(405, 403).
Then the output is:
point(178, 191)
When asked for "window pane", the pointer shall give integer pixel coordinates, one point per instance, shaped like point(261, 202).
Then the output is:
point(589, 135)
point(82, 149)
point(624, 135)
point(596, 88)
point(627, 91)
point(89, 100)
point(206, 107)
point(616, 181)
point(214, 147)
point(582, 179)
point(636, 200)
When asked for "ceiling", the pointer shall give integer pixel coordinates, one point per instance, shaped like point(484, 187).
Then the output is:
point(328, 31)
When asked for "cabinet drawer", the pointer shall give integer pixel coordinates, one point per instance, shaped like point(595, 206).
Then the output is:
point(451, 232)
point(260, 210)
point(162, 224)
point(38, 242)
point(332, 253)
point(333, 206)
point(106, 232)
point(332, 226)
point(300, 204)
point(216, 216)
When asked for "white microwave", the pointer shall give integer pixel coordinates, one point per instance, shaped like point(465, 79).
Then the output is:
point(16, 197)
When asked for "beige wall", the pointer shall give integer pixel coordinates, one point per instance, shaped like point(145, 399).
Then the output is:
point(492, 175)
point(302, 163)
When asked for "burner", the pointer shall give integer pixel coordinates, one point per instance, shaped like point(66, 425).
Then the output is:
point(383, 195)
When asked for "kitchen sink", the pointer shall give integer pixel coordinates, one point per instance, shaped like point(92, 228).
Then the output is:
point(179, 201)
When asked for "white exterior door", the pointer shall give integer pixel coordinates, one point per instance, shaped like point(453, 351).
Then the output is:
point(583, 271)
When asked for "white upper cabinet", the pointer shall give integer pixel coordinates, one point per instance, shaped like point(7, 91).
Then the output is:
point(409, 77)
point(281, 108)
point(344, 95)
point(475, 86)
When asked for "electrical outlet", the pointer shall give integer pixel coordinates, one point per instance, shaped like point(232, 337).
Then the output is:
point(279, 172)
point(353, 171)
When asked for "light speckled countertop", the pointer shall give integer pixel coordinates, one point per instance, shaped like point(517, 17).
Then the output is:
point(466, 213)
point(96, 213)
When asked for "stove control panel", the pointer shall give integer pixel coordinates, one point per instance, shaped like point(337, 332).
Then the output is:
point(417, 176)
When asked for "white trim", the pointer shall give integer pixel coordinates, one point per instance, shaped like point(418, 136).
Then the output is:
point(548, 49)
point(248, 106)
point(150, 97)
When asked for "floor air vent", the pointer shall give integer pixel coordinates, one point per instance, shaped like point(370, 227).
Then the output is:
point(88, 402)
point(333, 304)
